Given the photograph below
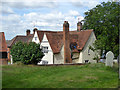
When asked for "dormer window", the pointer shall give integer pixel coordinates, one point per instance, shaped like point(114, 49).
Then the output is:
point(73, 46)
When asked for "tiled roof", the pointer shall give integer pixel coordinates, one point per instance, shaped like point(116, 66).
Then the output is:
point(3, 45)
point(20, 38)
point(83, 37)
point(41, 33)
point(56, 39)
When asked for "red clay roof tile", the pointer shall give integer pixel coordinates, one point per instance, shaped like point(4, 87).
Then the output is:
point(56, 39)
point(20, 38)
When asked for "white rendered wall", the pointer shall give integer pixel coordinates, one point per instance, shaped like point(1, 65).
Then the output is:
point(48, 56)
point(84, 53)
point(37, 39)
point(75, 58)
point(59, 58)
point(80, 57)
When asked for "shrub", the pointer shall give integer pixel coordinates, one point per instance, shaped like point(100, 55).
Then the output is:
point(16, 51)
point(27, 53)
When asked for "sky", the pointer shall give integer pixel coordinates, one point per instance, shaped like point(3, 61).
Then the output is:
point(17, 16)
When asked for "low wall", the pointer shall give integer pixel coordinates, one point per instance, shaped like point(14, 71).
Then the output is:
point(3, 61)
point(62, 64)
point(114, 60)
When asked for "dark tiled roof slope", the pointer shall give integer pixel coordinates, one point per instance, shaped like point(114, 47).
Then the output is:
point(20, 38)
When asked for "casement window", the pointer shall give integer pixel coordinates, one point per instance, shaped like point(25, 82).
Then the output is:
point(35, 38)
point(73, 45)
point(86, 61)
point(3, 55)
point(45, 49)
point(88, 51)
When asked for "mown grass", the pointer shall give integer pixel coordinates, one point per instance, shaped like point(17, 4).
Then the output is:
point(82, 76)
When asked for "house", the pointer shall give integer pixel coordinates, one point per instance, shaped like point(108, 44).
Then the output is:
point(61, 47)
point(3, 49)
point(23, 38)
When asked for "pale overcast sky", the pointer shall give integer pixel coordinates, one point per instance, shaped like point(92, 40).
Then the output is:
point(19, 15)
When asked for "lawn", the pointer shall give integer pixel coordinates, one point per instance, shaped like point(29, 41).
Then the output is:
point(77, 76)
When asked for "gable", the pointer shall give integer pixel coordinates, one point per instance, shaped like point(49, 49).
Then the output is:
point(83, 38)
point(45, 43)
point(45, 38)
point(36, 38)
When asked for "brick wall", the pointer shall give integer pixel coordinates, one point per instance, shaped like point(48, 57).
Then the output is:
point(3, 61)
point(67, 53)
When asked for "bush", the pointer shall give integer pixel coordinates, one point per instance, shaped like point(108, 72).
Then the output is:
point(26, 53)
point(16, 51)
point(96, 58)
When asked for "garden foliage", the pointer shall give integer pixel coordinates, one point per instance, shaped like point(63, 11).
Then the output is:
point(26, 53)
point(104, 20)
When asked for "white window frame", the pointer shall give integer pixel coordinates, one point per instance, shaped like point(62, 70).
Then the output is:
point(45, 49)
point(88, 51)
point(35, 38)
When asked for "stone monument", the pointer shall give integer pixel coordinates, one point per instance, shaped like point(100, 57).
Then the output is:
point(109, 59)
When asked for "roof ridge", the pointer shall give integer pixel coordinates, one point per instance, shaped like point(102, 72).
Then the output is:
point(87, 30)
point(48, 31)
point(13, 40)
point(20, 36)
point(62, 31)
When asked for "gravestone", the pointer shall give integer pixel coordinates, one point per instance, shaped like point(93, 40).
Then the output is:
point(109, 59)
point(119, 65)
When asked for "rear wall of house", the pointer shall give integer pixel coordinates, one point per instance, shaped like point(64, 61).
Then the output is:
point(59, 58)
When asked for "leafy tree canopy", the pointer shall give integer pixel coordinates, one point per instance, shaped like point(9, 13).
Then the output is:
point(26, 53)
point(104, 19)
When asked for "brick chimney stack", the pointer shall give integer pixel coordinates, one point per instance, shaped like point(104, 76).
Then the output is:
point(27, 32)
point(79, 26)
point(66, 41)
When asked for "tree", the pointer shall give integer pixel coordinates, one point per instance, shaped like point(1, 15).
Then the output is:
point(16, 51)
point(104, 19)
point(27, 53)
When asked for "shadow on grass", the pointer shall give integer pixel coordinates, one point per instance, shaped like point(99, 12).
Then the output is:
point(114, 68)
point(119, 83)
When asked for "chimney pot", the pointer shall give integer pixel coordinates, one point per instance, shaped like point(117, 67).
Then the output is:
point(79, 26)
point(28, 32)
point(66, 26)
point(65, 21)
point(35, 29)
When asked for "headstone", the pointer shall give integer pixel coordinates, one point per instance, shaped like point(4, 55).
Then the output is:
point(109, 59)
point(119, 65)
point(11, 59)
